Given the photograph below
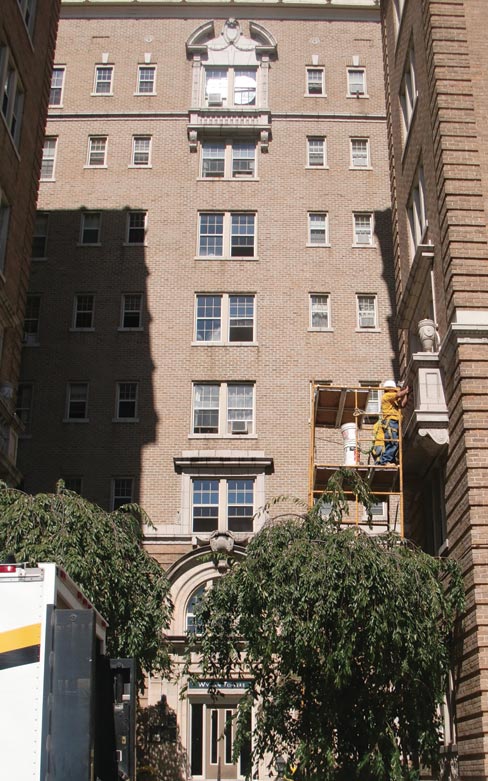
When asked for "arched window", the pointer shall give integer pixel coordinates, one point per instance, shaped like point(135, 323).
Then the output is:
point(193, 625)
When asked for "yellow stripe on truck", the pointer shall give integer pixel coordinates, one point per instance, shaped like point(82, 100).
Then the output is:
point(22, 637)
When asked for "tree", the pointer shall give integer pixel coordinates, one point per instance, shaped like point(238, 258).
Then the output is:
point(103, 553)
point(347, 640)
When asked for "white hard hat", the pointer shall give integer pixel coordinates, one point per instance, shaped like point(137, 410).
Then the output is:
point(389, 384)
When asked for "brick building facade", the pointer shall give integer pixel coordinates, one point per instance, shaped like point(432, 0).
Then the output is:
point(214, 232)
point(435, 68)
point(27, 40)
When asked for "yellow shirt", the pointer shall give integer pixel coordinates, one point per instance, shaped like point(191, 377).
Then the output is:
point(389, 405)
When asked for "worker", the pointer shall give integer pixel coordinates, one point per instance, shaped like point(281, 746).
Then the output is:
point(378, 445)
point(393, 400)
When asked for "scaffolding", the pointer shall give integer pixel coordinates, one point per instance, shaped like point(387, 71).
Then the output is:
point(342, 424)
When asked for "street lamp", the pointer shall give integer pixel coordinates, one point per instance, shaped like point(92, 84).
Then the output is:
point(280, 767)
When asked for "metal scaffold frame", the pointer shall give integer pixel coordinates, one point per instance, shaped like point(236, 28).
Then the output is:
point(330, 408)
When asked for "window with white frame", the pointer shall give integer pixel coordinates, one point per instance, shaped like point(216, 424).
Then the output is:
point(31, 319)
point(315, 84)
point(356, 81)
point(136, 227)
point(192, 623)
point(363, 229)
point(141, 151)
point(417, 210)
point(49, 158)
point(77, 401)
point(103, 84)
point(4, 226)
point(146, 80)
point(131, 312)
point(360, 153)
point(225, 504)
point(12, 94)
point(316, 152)
point(379, 512)
point(39, 238)
point(234, 160)
point(373, 404)
point(366, 308)
point(126, 401)
point(318, 229)
point(97, 152)
point(23, 408)
point(320, 312)
point(57, 86)
point(231, 87)
point(223, 409)
point(90, 228)
point(84, 312)
point(122, 491)
point(227, 234)
point(408, 92)
point(224, 318)
point(27, 9)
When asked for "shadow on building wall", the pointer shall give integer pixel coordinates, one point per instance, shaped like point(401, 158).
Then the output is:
point(160, 754)
point(89, 266)
point(383, 231)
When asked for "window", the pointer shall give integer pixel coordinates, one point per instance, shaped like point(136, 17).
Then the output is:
point(223, 504)
point(97, 152)
point(360, 153)
point(318, 229)
point(408, 92)
point(103, 80)
point(363, 229)
point(379, 512)
point(223, 409)
point(77, 404)
point(31, 319)
point(48, 159)
point(141, 151)
point(39, 238)
point(12, 95)
point(83, 312)
point(23, 408)
point(57, 86)
point(4, 223)
point(316, 152)
point(320, 312)
point(315, 81)
point(126, 404)
point(73, 484)
point(146, 80)
point(417, 211)
point(90, 227)
point(366, 305)
point(131, 317)
point(231, 160)
point(232, 87)
point(356, 81)
point(193, 625)
point(227, 235)
point(27, 9)
point(224, 318)
point(122, 491)
point(136, 227)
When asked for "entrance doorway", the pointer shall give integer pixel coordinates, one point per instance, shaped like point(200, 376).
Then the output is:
point(212, 735)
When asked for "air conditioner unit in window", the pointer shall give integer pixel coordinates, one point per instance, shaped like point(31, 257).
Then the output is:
point(215, 99)
point(239, 427)
point(30, 339)
point(367, 322)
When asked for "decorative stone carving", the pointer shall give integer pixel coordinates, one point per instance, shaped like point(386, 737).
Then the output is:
point(222, 542)
point(193, 139)
point(427, 335)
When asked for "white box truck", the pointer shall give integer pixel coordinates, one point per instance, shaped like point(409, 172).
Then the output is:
point(52, 642)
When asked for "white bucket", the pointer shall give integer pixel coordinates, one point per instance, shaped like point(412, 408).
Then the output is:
point(349, 436)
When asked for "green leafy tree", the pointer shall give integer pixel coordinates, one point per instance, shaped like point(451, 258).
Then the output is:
point(347, 640)
point(103, 553)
